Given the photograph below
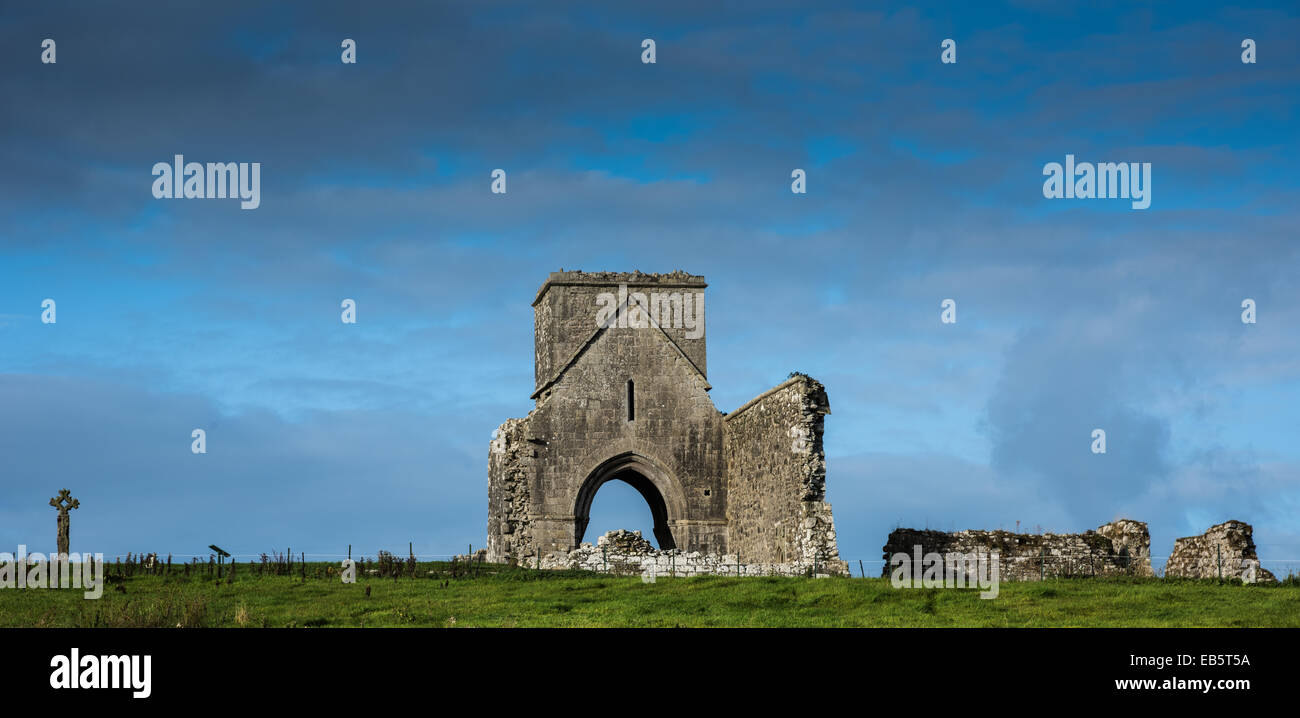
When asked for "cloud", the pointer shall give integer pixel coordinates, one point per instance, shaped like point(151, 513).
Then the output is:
point(373, 479)
point(1058, 385)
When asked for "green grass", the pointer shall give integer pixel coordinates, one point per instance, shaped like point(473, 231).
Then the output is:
point(508, 597)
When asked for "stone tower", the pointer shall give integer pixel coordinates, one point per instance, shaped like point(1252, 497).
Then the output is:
point(621, 393)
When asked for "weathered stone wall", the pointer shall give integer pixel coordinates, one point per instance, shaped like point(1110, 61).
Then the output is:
point(675, 429)
point(1120, 547)
point(564, 314)
point(1131, 542)
point(1220, 552)
point(776, 476)
point(627, 553)
point(510, 479)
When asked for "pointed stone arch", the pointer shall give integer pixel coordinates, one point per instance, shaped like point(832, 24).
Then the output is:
point(661, 490)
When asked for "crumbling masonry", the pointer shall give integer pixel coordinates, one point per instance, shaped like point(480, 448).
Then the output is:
point(621, 393)
point(1225, 550)
point(1119, 547)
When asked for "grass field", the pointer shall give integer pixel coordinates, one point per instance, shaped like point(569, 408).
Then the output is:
point(507, 597)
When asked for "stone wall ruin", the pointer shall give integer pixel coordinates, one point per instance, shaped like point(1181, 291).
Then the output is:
point(1122, 547)
point(1223, 551)
point(1118, 548)
point(629, 401)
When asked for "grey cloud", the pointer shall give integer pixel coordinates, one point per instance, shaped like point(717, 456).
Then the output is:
point(264, 483)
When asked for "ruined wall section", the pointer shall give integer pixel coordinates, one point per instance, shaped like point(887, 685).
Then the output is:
point(510, 476)
point(776, 478)
point(564, 314)
point(1219, 552)
point(1119, 548)
point(1131, 542)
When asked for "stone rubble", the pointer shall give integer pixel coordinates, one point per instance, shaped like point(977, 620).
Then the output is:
point(627, 553)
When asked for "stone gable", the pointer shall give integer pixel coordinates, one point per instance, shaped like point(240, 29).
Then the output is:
point(631, 403)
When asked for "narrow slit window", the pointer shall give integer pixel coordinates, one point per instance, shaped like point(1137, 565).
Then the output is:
point(631, 401)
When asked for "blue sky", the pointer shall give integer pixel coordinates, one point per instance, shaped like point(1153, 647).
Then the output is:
point(924, 183)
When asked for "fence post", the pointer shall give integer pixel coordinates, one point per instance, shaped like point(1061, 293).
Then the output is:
point(604, 560)
point(539, 558)
point(1218, 550)
point(1042, 563)
point(863, 571)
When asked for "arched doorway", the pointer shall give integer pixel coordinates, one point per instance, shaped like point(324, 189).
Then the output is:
point(642, 475)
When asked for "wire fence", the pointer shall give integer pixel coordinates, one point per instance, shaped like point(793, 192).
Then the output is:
point(223, 565)
point(1011, 567)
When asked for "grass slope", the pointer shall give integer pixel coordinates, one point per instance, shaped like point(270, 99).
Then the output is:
point(501, 596)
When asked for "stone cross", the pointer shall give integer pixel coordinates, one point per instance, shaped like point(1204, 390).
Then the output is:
point(63, 502)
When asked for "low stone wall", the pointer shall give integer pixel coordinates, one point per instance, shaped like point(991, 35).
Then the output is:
point(1117, 548)
point(1221, 552)
point(627, 553)
point(479, 556)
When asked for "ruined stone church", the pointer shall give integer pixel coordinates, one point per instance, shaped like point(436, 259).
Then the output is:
point(622, 393)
